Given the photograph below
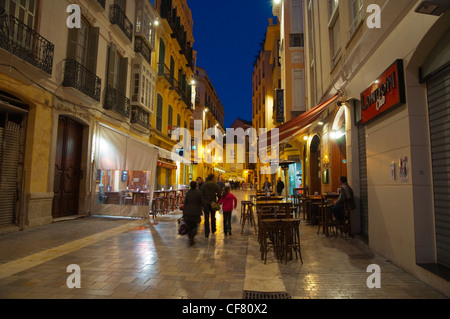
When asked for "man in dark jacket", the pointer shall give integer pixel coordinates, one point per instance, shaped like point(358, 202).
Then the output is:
point(210, 193)
point(346, 200)
point(192, 211)
point(280, 186)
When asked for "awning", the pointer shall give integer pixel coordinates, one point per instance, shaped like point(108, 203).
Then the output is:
point(165, 154)
point(299, 125)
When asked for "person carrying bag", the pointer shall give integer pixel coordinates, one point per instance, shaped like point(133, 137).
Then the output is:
point(192, 212)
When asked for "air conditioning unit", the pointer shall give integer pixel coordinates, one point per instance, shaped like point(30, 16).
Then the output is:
point(433, 7)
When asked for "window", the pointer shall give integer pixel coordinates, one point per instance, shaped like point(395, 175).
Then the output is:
point(178, 120)
point(117, 70)
point(296, 40)
point(170, 116)
point(356, 15)
point(83, 45)
point(296, 16)
point(334, 31)
point(159, 112)
point(24, 10)
point(299, 90)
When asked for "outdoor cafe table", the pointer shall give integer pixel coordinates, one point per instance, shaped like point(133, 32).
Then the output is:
point(284, 203)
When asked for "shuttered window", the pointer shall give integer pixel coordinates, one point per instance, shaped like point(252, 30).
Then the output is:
point(159, 112)
point(117, 70)
point(83, 45)
point(439, 117)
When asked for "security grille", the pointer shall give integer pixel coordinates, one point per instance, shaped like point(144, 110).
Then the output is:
point(439, 117)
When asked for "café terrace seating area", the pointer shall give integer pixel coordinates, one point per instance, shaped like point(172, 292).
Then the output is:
point(276, 220)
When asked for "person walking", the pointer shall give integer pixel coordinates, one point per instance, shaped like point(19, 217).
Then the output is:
point(229, 202)
point(280, 186)
point(199, 183)
point(192, 211)
point(210, 193)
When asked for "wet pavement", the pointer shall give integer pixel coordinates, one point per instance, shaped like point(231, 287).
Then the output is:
point(123, 258)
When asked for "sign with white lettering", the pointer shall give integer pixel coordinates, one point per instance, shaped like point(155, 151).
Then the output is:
point(386, 92)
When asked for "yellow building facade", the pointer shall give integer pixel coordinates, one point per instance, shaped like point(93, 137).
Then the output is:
point(174, 103)
point(209, 111)
point(82, 107)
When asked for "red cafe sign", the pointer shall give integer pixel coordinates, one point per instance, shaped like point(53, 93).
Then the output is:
point(166, 165)
point(385, 93)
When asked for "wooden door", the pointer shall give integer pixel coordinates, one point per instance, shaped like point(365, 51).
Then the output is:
point(67, 168)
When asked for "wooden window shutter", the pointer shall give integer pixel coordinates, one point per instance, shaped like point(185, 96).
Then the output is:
point(94, 34)
point(111, 64)
point(72, 44)
point(123, 76)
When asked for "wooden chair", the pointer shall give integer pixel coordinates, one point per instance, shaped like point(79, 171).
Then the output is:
point(270, 237)
point(247, 215)
point(156, 207)
point(327, 222)
point(291, 239)
point(345, 227)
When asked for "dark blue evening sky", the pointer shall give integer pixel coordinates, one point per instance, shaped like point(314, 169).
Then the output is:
point(227, 37)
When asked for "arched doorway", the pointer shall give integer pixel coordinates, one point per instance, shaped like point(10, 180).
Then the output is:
point(13, 124)
point(338, 149)
point(67, 167)
point(315, 165)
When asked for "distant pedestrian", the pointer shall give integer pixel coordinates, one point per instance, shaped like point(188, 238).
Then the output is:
point(229, 202)
point(192, 212)
point(280, 186)
point(210, 193)
point(199, 183)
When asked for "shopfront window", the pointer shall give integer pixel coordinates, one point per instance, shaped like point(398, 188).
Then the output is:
point(123, 187)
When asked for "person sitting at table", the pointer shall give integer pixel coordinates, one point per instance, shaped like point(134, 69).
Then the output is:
point(192, 210)
point(280, 186)
point(345, 200)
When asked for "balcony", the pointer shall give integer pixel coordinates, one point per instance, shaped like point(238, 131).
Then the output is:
point(178, 31)
point(80, 78)
point(23, 42)
point(140, 116)
point(185, 96)
point(165, 72)
point(118, 17)
point(140, 46)
point(117, 102)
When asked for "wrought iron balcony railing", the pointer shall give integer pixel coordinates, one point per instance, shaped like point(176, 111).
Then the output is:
point(164, 71)
point(185, 96)
point(140, 116)
point(25, 43)
point(117, 102)
point(118, 17)
point(79, 77)
point(140, 46)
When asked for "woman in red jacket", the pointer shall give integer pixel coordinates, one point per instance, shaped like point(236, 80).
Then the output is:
point(229, 202)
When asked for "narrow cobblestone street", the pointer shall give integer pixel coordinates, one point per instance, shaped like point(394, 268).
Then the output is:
point(139, 259)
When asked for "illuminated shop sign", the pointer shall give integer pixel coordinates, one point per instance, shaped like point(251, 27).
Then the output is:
point(385, 93)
